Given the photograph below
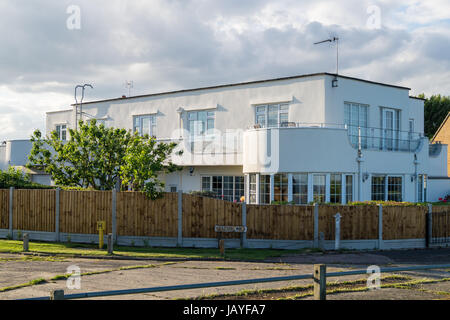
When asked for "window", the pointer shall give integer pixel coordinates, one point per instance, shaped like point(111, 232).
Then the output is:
point(264, 189)
point(200, 122)
point(252, 189)
point(378, 188)
point(387, 188)
point(280, 189)
point(335, 188)
point(217, 186)
point(395, 189)
point(145, 125)
point(300, 188)
point(355, 116)
point(228, 188)
point(348, 189)
point(272, 115)
point(61, 130)
point(319, 188)
point(238, 188)
point(420, 188)
point(173, 189)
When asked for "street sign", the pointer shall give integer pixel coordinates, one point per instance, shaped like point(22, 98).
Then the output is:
point(230, 229)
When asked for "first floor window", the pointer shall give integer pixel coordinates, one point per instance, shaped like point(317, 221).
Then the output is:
point(335, 188)
point(272, 115)
point(300, 188)
point(319, 187)
point(61, 130)
point(145, 125)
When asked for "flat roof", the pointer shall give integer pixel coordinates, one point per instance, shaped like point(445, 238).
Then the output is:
point(247, 83)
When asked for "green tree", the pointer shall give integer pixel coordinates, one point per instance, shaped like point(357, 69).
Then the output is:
point(18, 179)
point(436, 109)
point(100, 158)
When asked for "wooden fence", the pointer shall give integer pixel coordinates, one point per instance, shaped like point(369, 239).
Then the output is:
point(135, 215)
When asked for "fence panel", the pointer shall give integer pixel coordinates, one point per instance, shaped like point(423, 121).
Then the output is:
point(80, 211)
point(202, 214)
point(280, 222)
point(34, 210)
point(408, 222)
point(4, 209)
point(139, 216)
point(357, 222)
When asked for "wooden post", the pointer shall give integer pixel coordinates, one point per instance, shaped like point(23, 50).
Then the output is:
point(110, 244)
point(114, 215)
point(320, 282)
point(244, 224)
point(11, 197)
point(57, 295)
point(316, 225)
point(429, 226)
point(222, 247)
point(57, 213)
point(180, 219)
point(25, 242)
point(380, 226)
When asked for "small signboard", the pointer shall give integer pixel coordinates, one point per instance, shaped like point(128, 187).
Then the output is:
point(230, 229)
point(101, 225)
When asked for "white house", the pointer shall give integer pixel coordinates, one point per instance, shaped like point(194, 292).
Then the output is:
point(316, 137)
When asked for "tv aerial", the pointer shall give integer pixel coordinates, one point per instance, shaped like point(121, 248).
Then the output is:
point(331, 40)
point(129, 85)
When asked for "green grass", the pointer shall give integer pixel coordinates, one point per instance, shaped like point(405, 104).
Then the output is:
point(72, 249)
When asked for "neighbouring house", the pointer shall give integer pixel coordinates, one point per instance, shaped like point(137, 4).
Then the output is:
point(440, 138)
point(317, 137)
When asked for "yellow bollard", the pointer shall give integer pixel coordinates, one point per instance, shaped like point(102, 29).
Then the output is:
point(101, 226)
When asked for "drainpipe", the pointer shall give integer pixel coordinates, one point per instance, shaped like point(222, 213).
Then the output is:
point(415, 177)
point(359, 160)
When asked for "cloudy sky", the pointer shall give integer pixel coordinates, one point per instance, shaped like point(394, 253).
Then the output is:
point(49, 46)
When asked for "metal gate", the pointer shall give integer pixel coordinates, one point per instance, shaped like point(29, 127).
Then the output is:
point(440, 227)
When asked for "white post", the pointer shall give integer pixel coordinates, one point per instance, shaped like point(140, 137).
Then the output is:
point(380, 226)
point(316, 225)
point(337, 231)
point(114, 215)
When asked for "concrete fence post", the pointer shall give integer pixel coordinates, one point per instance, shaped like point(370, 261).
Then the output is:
point(110, 244)
point(320, 282)
point(316, 225)
point(180, 219)
point(114, 215)
point(380, 226)
point(57, 295)
point(337, 233)
point(429, 226)
point(244, 224)
point(57, 213)
point(25, 242)
point(11, 198)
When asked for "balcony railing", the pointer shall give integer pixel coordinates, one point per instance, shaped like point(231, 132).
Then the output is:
point(369, 138)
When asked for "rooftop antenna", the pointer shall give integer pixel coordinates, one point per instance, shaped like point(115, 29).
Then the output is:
point(333, 39)
point(83, 87)
point(129, 85)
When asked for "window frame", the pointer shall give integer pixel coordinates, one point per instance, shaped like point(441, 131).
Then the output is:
point(282, 109)
point(60, 130)
point(138, 127)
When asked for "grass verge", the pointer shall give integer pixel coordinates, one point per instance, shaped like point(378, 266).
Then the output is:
point(72, 249)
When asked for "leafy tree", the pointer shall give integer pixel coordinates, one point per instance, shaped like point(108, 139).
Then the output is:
point(100, 158)
point(436, 109)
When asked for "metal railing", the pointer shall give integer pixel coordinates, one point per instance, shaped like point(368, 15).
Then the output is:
point(319, 276)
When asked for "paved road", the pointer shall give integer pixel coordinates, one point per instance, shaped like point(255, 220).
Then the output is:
point(158, 273)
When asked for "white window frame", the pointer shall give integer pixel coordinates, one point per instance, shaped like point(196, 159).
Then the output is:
point(210, 115)
point(210, 177)
point(59, 129)
point(138, 121)
point(386, 185)
point(265, 113)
